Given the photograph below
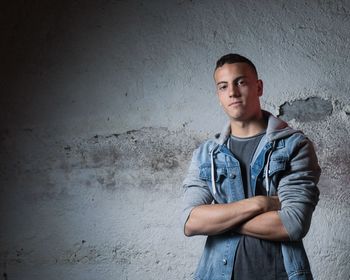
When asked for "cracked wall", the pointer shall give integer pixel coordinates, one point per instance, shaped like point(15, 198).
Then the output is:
point(103, 104)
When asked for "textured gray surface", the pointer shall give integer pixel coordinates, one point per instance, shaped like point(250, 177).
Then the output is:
point(97, 208)
point(103, 103)
point(310, 109)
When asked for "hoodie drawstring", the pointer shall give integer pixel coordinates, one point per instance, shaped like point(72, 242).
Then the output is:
point(267, 169)
point(212, 170)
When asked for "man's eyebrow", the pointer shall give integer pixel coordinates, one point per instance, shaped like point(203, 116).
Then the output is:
point(235, 80)
point(238, 78)
point(223, 82)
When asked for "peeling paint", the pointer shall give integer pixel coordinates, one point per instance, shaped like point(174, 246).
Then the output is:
point(309, 109)
point(347, 109)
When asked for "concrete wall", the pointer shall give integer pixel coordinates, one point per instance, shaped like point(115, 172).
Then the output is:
point(102, 103)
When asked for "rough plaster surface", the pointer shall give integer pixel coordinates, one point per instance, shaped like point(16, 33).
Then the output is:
point(102, 104)
point(98, 208)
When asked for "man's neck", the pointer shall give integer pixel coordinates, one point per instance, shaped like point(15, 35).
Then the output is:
point(248, 128)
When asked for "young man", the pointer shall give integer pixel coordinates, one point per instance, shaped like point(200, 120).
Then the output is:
point(252, 190)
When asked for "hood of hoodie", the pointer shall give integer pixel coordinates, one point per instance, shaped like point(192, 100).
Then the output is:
point(276, 129)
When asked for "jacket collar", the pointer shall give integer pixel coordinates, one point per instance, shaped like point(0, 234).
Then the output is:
point(276, 129)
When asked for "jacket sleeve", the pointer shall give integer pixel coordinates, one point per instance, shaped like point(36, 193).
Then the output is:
point(196, 191)
point(298, 190)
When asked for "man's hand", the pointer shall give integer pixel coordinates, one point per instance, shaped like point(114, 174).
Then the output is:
point(268, 203)
point(266, 226)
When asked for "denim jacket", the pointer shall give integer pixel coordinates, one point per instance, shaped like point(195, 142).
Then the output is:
point(286, 164)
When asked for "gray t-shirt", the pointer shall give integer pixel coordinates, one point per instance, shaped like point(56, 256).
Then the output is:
point(255, 258)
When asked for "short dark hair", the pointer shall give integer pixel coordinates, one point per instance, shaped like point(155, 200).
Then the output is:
point(234, 58)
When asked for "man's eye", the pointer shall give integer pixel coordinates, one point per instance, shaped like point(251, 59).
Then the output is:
point(241, 83)
point(221, 88)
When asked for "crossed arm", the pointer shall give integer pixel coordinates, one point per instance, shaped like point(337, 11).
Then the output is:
point(259, 216)
point(256, 216)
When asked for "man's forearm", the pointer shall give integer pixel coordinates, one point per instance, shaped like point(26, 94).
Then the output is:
point(266, 226)
point(217, 218)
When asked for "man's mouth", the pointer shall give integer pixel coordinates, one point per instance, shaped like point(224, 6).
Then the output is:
point(234, 103)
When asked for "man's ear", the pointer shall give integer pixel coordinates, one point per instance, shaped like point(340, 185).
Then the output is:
point(260, 87)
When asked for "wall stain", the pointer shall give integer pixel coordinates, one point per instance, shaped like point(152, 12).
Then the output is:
point(124, 253)
point(336, 8)
point(116, 135)
point(4, 266)
point(136, 158)
point(82, 253)
point(340, 159)
point(107, 181)
point(164, 160)
point(15, 256)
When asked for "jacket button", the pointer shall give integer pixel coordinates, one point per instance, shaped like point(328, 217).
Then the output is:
point(232, 175)
point(224, 261)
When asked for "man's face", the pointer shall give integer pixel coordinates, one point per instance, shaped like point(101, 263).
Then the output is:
point(238, 90)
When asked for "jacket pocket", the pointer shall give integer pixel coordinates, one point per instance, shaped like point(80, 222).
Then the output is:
point(227, 190)
point(277, 163)
point(220, 172)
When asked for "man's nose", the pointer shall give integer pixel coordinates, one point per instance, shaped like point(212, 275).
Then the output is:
point(234, 92)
